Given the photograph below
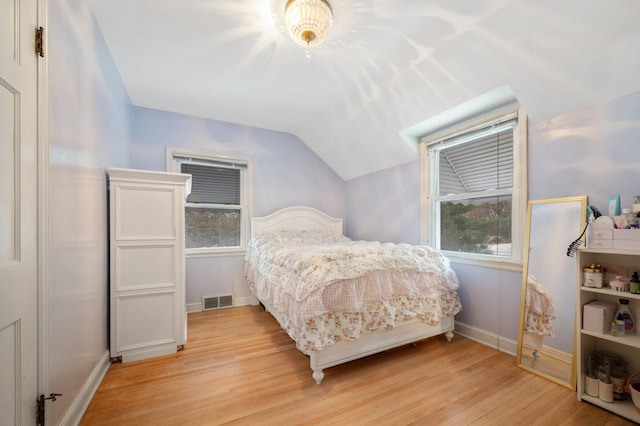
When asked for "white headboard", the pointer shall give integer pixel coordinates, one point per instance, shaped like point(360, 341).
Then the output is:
point(295, 218)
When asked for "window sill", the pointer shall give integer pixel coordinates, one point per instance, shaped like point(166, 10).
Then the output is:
point(503, 265)
point(215, 253)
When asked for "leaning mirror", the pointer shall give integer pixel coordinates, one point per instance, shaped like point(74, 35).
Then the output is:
point(546, 338)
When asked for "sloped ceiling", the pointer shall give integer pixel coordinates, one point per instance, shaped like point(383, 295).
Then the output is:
point(386, 66)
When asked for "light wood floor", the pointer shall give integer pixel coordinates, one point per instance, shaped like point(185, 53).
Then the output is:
point(547, 365)
point(239, 368)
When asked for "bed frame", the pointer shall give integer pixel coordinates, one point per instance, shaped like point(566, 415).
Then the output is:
point(307, 218)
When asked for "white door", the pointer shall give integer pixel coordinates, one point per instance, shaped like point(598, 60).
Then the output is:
point(18, 213)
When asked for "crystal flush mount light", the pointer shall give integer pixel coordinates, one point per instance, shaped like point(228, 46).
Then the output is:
point(308, 21)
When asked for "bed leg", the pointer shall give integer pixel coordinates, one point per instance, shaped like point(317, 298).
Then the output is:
point(449, 335)
point(318, 375)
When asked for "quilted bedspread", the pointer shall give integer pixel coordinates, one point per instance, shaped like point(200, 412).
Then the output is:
point(328, 287)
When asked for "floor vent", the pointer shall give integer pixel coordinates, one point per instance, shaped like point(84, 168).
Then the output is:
point(216, 302)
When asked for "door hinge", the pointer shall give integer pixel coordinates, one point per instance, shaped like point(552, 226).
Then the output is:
point(40, 41)
point(40, 411)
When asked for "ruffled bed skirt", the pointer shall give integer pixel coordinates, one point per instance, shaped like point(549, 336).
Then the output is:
point(344, 310)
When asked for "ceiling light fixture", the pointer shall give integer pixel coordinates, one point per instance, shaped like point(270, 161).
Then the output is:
point(308, 21)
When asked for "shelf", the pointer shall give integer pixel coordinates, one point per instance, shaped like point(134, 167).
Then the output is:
point(631, 339)
point(622, 408)
point(626, 347)
point(617, 252)
point(607, 291)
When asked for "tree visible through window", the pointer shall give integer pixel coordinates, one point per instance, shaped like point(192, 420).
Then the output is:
point(477, 226)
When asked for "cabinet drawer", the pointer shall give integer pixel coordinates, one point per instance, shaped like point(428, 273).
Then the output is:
point(626, 234)
point(602, 244)
point(600, 234)
point(626, 244)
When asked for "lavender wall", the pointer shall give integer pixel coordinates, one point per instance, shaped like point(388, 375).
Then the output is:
point(385, 206)
point(594, 152)
point(285, 173)
point(89, 127)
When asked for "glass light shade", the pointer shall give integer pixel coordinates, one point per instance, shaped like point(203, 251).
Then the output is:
point(308, 21)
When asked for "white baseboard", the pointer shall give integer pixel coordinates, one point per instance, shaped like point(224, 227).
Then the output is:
point(74, 414)
point(503, 344)
point(559, 355)
point(246, 300)
point(500, 343)
point(237, 301)
point(194, 307)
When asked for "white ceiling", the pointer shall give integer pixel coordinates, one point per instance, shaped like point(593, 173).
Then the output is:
point(386, 65)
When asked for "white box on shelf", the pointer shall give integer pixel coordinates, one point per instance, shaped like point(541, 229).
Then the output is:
point(600, 235)
point(626, 239)
point(597, 316)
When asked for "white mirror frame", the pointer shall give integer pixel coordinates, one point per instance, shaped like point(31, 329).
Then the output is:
point(565, 219)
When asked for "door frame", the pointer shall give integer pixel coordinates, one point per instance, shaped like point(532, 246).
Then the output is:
point(44, 271)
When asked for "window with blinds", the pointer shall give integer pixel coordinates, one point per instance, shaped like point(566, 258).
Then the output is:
point(215, 210)
point(213, 213)
point(474, 181)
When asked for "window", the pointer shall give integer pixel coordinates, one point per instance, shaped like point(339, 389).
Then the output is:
point(475, 192)
point(216, 209)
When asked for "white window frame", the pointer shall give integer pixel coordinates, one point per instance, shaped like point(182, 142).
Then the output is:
point(429, 176)
point(176, 156)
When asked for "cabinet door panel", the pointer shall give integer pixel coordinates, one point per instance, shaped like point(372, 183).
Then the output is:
point(148, 213)
point(141, 267)
point(145, 319)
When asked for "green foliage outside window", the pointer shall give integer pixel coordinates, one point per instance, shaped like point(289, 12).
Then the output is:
point(476, 226)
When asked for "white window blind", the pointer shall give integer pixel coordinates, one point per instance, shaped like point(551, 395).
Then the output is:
point(478, 164)
point(213, 184)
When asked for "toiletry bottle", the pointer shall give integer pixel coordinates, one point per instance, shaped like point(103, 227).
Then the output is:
point(634, 284)
point(625, 314)
point(628, 218)
point(619, 325)
point(615, 328)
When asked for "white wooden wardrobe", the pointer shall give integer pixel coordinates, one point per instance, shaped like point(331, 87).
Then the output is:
point(147, 263)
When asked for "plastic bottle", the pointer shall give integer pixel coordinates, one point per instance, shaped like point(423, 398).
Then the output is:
point(617, 326)
point(625, 315)
point(634, 283)
point(628, 218)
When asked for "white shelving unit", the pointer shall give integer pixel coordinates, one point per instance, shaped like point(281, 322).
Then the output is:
point(628, 346)
point(147, 264)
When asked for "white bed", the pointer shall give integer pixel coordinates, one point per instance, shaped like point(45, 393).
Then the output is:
point(301, 218)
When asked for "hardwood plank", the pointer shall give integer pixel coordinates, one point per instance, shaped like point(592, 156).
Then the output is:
point(239, 367)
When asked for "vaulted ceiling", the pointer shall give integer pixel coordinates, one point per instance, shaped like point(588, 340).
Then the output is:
point(386, 65)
